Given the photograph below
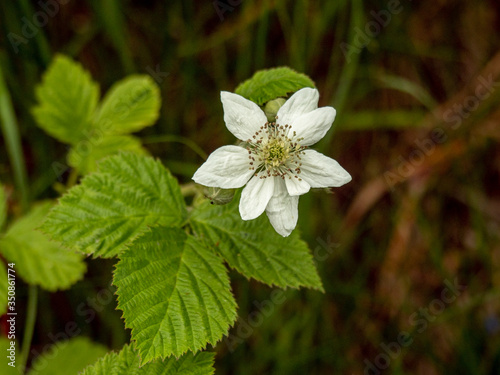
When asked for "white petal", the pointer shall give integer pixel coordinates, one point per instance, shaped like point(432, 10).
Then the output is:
point(255, 197)
point(227, 167)
point(303, 101)
point(243, 117)
point(313, 126)
point(296, 185)
point(282, 209)
point(321, 171)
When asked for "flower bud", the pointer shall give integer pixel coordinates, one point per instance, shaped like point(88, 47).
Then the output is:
point(219, 196)
point(271, 108)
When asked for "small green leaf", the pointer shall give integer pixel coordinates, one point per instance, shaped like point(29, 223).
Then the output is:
point(174, 293)
point(270, 84)
point(67, 357)
point(112, 207)
point(130, 105)
point(84, 157)
point(38, 260)
point(67, 99)
point(126, 362)
point(3, 207)
point(7, 366)
point(3, 289)
point(254, 248)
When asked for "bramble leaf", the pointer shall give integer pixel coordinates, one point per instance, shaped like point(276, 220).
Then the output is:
point(85, 158)
point(114, 206)
point(270, 84)
point(174, 293)
point(38, 260)
point(67, 357)
point(253, 247)
point(67, 99)
point(126, 362)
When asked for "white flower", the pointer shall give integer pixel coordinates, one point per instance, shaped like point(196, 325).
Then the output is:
point(274, 161)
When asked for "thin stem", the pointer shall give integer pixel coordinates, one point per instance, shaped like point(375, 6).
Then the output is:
point(13, 142)
point(189, 189)
point(73, 177)
point(30, 324)
point(175, 138)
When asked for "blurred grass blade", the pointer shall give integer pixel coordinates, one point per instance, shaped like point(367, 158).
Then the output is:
point(411, 88)
point(13, 141)
point(396, 119)
point(350, 67)
point(112, 19)
point(41, 41)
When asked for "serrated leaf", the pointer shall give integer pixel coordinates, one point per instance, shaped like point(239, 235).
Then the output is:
point(112, 207)
point(254, 248)
point(67, 357)
point(270, 84)
point(130, 105)
point(85, 158)
point(126, 362)
point(67, 99)
point(174, 293)
point(5, 368)
point(3, 289)
point(38, 260)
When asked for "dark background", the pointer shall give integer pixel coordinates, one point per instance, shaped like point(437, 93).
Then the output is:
point(417, 127)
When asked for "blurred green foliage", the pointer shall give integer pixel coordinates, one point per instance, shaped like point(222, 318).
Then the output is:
point(412, 98)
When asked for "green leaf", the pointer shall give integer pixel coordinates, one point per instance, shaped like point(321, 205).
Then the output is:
point(85, 157)
point(126, 362)
point(409, 87)
point(130, 105)
point(3, 289)
point(115, 205)
point(67, 357)
point(5, 368)
point(254, 248)
point(38, 260)
point(3, 207)
point(174, 293)
point(270, 84)
point(67, 99)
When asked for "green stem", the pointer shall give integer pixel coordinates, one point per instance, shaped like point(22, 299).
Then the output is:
point(30, 324)
point(13, 142)
point(73, 177)
point(175, 138)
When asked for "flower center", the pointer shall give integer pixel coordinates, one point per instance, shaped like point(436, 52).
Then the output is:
point(275, 152)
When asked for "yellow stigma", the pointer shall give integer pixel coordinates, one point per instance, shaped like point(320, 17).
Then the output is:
point(275, 150)
point(275, 153)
